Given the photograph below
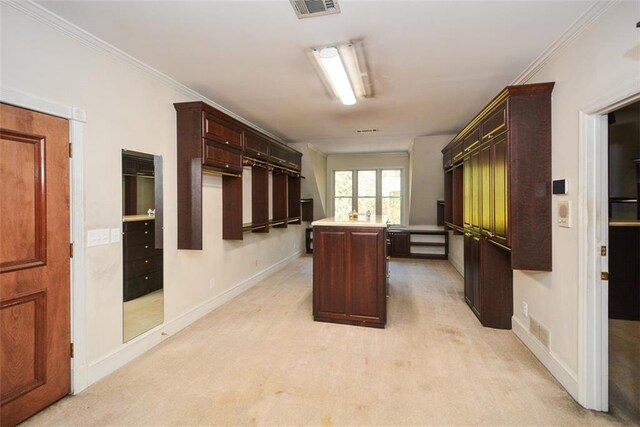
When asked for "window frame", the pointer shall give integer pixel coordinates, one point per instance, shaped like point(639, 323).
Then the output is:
point(379, 197)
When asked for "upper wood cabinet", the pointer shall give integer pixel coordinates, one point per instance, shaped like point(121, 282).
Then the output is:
point(506, 157)
point(210, 141)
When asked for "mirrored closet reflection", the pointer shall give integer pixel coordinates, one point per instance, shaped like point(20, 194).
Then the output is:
point(142, 284)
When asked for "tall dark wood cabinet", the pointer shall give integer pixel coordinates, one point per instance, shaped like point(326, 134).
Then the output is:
point(504, 155)
point(350, 275)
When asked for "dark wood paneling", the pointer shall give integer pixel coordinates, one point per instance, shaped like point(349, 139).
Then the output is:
point(231, 208)
point(23, 211)
point(222, 158)
point(189, 125)
point(496, 277)
point(306, 209)
point(280, 198)
point(400, 243)
point(500, 190)
point(530, 179)
point(222, 131)
point(495, 123)
point(486, 201)
point(624, 273)
point(256, 146)
point(364, 296)
point(260, 198)
point(349, 275)
point(448, 197)
point(293, 199)
point(457, 196)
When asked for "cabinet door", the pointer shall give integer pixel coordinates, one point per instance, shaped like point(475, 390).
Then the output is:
point(366, 293)
point(475, 191)
point(485, 189)
point(467, 191)
point(475, 276)
point(400, 244)
point(500, 190)
point(468, 273)
point(330, 260)
point(221, 131)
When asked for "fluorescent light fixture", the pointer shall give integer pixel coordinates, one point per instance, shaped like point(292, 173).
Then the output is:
point(336, 73)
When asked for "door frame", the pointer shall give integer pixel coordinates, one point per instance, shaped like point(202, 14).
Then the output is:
point(593, 232)
point(77, 119)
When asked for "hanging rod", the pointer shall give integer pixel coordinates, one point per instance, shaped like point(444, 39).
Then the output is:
point(220, 173)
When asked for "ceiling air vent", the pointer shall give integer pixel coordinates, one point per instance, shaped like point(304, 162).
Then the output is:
point(365, 131)
point(311, 8)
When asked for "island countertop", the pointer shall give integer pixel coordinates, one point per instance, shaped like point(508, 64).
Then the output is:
point(344, 221)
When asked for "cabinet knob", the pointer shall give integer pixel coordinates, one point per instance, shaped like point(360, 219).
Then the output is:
point(146, 232)
point(146, 277)
point(226, 166)
point(146, 261)
point(146, 223)
point(388, 257)
point(259, 154)
point(146, 246)
point(226, 142)
point(490, 136)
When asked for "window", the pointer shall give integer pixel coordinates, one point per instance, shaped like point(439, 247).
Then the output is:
point(376, 190)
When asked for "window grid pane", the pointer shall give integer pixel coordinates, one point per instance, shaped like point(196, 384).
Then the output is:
point(367, 183)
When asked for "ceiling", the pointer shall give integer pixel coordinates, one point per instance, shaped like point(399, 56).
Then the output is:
point(433, 64)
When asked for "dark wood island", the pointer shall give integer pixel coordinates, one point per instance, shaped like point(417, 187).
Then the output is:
point(350, 271)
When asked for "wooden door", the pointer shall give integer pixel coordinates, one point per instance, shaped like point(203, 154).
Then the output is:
point(500, 196)
point(400, 244)
point(468, 273)
point(330, 264)
point(468, 193)
point(34, 262)
point(475, 190)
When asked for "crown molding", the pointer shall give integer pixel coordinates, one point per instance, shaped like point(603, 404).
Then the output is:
point(579, 26)
point(47, 17)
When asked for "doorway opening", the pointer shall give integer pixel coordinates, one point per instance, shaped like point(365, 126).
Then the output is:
point(623, 134)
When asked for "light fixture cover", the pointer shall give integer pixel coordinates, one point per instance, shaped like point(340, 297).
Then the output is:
point(341, 72)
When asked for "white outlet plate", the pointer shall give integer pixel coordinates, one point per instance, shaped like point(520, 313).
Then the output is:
point(564, 213)
point(525, 309)
point(98, 237)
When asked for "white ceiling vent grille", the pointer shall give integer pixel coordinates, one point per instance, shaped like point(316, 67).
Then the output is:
point(311, 8)
point(367, 130)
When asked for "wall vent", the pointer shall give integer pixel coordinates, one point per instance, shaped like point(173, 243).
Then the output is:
point(311, 8)
point(367, 130)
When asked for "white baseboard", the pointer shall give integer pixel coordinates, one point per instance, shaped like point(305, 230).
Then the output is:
point(457, 265)
point(565, 376)
point(139, 345)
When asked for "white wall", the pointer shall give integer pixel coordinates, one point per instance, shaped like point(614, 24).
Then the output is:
point(314, 184)
point(368, 161)
point(128, 107)
point(601, 60)
point(427, 178)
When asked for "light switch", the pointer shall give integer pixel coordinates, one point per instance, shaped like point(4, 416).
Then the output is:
point(98, 237)
point(564, 213)
point(115, 235)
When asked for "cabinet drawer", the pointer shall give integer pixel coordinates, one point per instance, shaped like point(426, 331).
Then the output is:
point(138, 237)
point(256, 146)
point(471, 141)
point(221, 157)
point(221, 131)
point(495, 123)
point(143, 250)
point(139, 225)
point(143, 266)
point(142, 285)
point(279, 155)
point(457, 152)
point(295, 160)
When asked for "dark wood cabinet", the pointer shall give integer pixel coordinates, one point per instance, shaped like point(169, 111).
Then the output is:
point(506, 196)
point(418, 242)
point(211, 142)
point(142, 271)
point(349, 275)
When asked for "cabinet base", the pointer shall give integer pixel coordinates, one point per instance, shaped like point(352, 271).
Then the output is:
point(379, 325)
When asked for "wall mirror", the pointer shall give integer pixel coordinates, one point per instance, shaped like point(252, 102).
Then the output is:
point(142, 284)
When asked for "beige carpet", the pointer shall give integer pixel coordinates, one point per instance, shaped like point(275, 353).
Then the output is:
point(262, 360)
point(624, 369)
